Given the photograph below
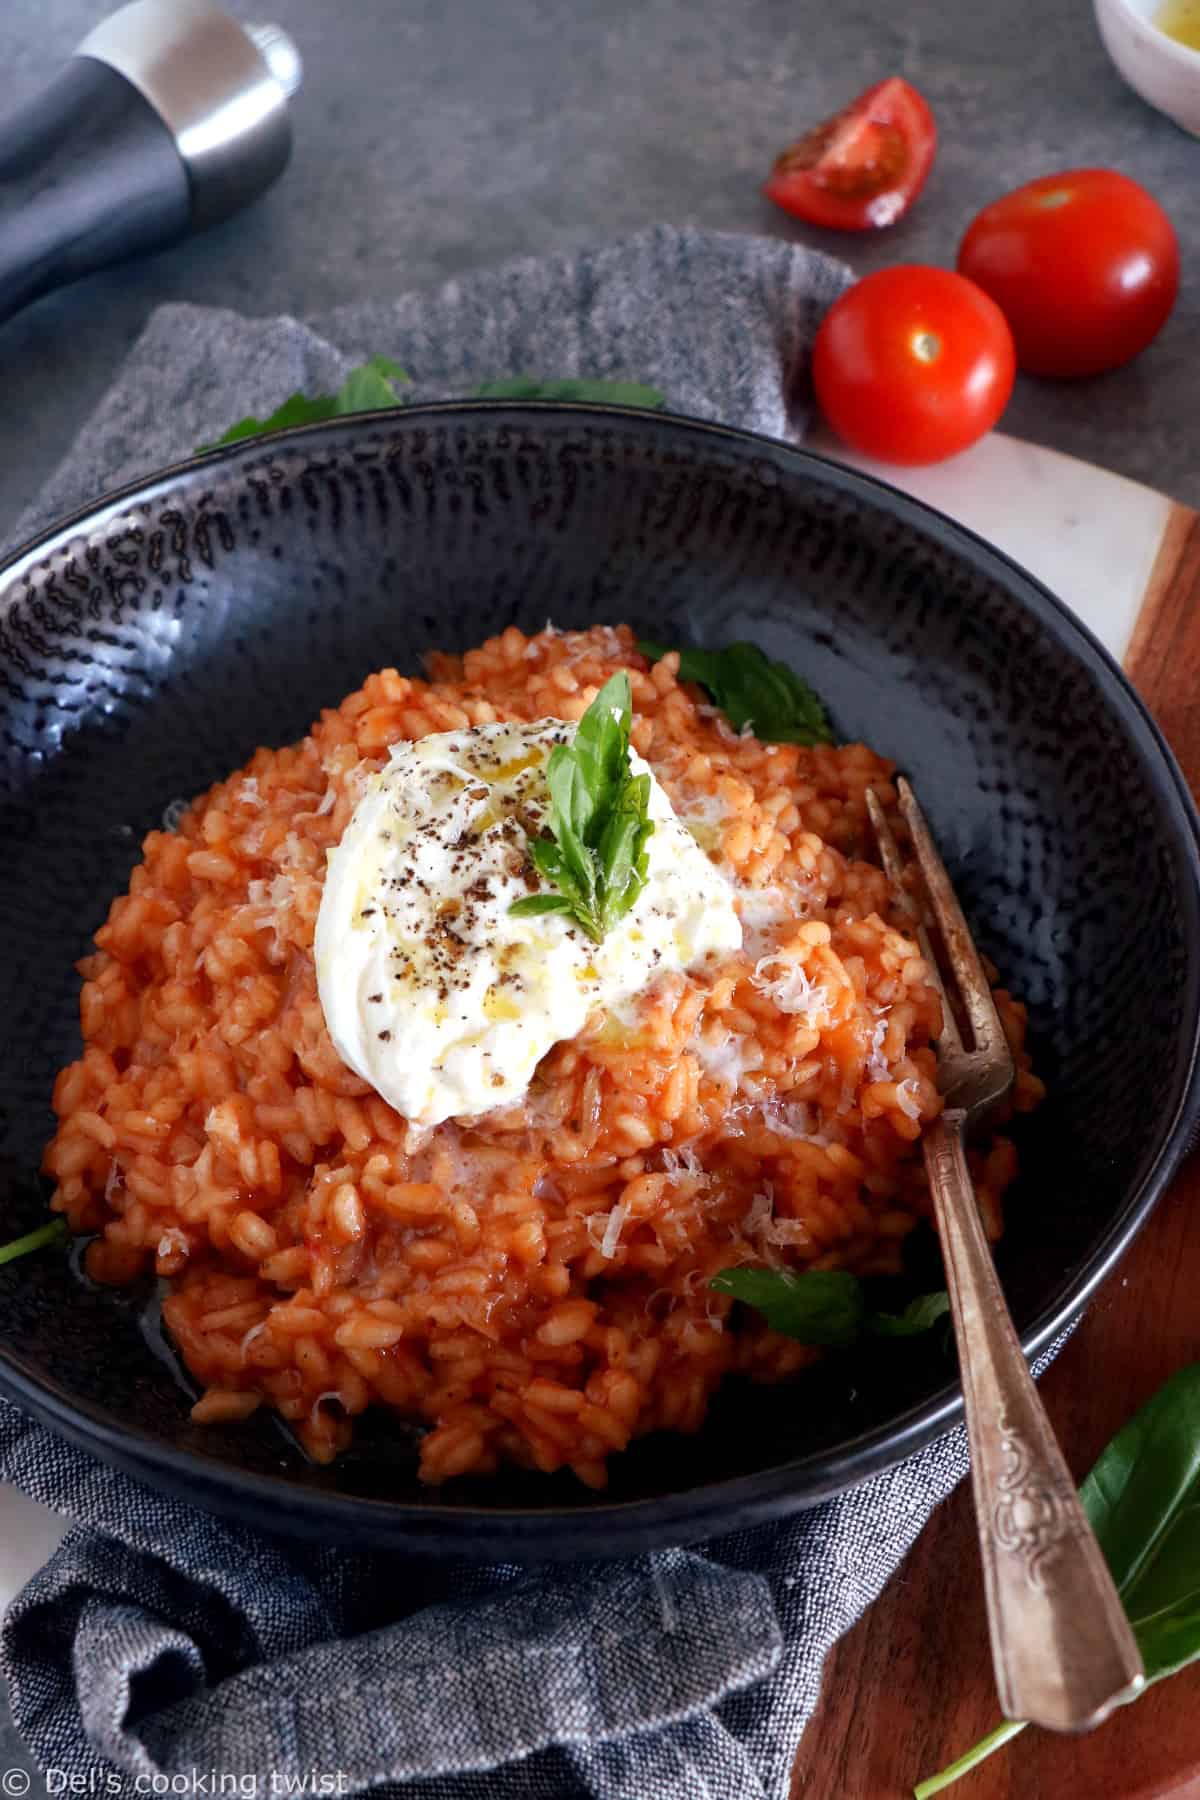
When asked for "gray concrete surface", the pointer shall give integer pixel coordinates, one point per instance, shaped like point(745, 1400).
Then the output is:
point(437, 136)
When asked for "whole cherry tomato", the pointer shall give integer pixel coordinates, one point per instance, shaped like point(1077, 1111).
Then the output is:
point(913, 364)
point(1083, 265)
point(862, 168)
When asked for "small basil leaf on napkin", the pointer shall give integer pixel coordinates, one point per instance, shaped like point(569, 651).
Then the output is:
point(1143, 1501)
point(373, 386)
point(365, 389)
point(599, 820)
point(824, 1306)
point(52, 1233)
point(753, 691)
point(602, 393)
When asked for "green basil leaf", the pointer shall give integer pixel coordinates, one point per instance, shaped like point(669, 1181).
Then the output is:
point(601, 393)
point(548, 859)
point(540, 903)
point(825, 1306)
point(570, 817)
point(821, 1306)
point(371, 387)
point(622, 850)
point(919, 1315)
point(601, 751)
point(365, 389)
point(297, 409)
point(617, 850)
point(52, 1233)
point(599, 824)
point(751, 690)
point(1143, 1500)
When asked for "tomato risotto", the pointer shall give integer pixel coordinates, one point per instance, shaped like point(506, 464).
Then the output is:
point(532, 1283)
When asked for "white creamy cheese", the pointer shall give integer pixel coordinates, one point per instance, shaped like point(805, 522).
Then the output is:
point(431, 990)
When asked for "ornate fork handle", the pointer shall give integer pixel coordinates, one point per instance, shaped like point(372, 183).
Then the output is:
point(1063, 1650)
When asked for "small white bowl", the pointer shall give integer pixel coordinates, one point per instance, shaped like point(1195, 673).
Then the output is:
point(1163, 71)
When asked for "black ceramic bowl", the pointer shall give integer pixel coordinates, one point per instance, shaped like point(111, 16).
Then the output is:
point(147, 647)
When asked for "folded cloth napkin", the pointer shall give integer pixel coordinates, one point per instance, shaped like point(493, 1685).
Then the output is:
point(161, 1651)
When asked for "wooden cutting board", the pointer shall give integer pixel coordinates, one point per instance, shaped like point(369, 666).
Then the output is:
point(911, 1687)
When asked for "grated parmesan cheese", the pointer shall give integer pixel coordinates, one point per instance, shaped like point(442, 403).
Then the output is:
point(612, 1231)
point(604, 1229)
point(764, 912)
point(760, 1212)
point(878, 1069)
point(907, 1098)
point(682, 1162)
point(786, 1118)
point(761, 1223)
point(792, 991)
point(282, 891)
point(729, 1057)
point(785, 1233)
point(329, 1394)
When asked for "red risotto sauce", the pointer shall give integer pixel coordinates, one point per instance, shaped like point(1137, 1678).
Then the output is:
point(531, 1284)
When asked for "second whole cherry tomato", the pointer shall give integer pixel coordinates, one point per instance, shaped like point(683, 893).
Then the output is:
point(912, 364)
point(1083, 265)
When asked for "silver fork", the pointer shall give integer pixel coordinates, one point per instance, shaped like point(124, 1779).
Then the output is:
point(1062, 1648)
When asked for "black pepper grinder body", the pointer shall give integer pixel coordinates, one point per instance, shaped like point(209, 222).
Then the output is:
point(170, 116)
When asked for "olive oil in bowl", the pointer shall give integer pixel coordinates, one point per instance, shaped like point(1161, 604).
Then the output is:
point(1180, 19)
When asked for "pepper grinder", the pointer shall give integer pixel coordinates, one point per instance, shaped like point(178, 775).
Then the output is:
point(169, 116)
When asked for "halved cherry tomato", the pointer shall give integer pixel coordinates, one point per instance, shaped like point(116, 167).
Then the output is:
point(1083, 265)
point(913, 364)
point(862, 168)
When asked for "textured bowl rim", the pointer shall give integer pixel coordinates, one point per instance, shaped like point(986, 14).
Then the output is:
point(607, 1527)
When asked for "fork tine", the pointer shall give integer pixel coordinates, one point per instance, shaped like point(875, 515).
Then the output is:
point(956, 934)
point(893, 867)
point(889, 853)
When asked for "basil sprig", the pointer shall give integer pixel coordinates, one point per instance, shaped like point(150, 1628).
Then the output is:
point(365, 389)
point(824, 1306)
point(374, 385)
point(594, 853)
point(750, 689)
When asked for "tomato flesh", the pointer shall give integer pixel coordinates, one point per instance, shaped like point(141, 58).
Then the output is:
point(913, 364)
point(862, 168)
point(1084, 265)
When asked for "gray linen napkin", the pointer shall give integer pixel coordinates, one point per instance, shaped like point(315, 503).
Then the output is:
point(161, 1650)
